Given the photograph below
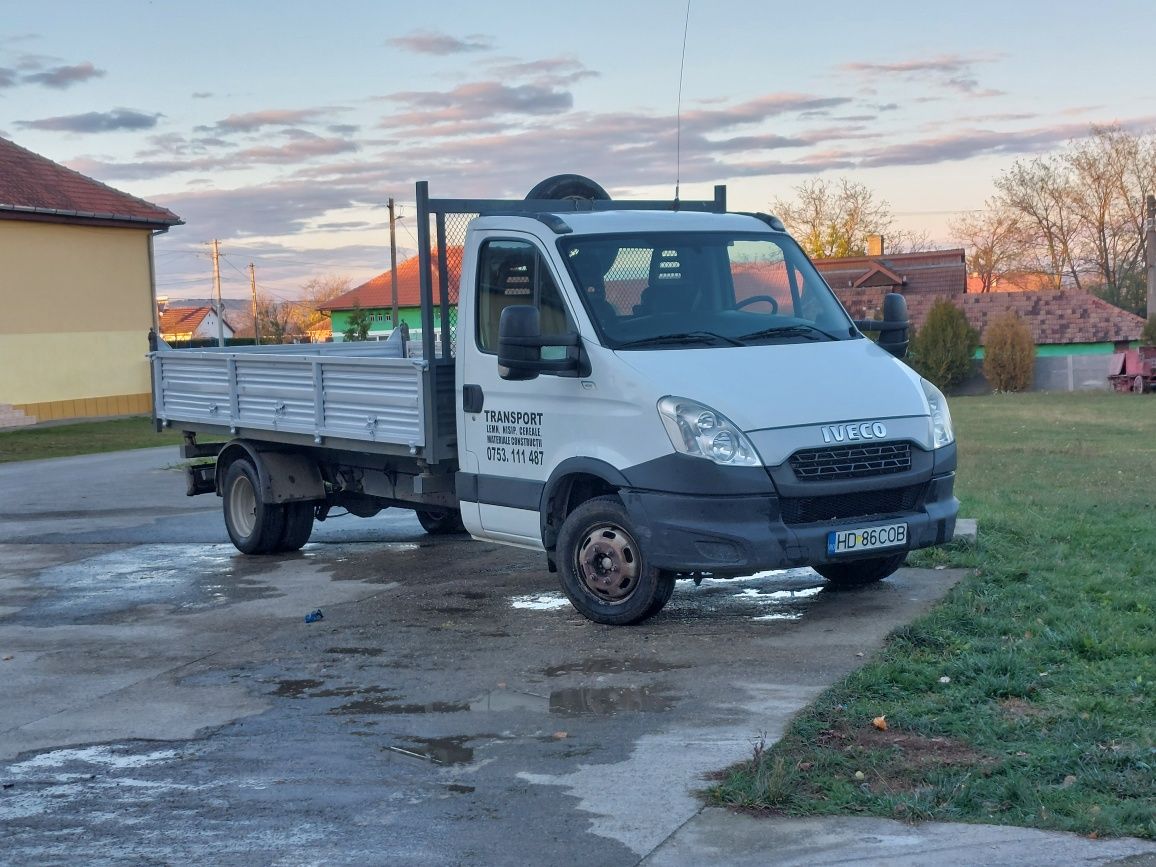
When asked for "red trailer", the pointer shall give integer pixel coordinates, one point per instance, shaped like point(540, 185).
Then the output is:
point(1134, 370)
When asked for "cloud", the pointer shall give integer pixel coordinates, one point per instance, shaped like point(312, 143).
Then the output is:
point(299, 149)
point(437, 43)
point(947, 64)
point(94, 121)
point(477, 100)
point(255, 120)
point(972, 143)
point(557, 71)
point(202, 94)
point(64, 77)
point(7, 77)
point(951, 71)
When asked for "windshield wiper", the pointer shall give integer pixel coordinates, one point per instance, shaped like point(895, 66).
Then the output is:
point(681, 337)
point(799, 329)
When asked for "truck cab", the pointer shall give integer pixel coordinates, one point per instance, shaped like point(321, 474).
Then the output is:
point(652, 394)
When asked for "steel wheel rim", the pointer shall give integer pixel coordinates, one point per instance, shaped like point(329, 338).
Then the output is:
point(609, 563)
point(243, 506)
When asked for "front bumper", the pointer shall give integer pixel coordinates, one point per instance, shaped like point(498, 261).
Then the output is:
point(738, 535)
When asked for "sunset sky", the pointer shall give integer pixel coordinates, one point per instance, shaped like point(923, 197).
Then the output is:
point(281, 128)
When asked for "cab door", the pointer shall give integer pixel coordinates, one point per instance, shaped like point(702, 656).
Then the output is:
point(513, 430)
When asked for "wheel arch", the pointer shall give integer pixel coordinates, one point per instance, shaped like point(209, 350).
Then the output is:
point(285, 476)
point(573, 482)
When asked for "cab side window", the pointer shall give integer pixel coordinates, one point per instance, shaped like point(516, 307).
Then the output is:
point(514, 272)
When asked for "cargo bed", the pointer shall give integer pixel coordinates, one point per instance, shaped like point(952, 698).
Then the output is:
point(362, 395)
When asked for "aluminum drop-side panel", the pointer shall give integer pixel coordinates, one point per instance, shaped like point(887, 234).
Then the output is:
point(372, 399)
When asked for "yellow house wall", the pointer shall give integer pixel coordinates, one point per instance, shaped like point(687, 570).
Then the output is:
point(77, 307)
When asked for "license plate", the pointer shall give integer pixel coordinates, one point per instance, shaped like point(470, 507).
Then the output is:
point(866, 539)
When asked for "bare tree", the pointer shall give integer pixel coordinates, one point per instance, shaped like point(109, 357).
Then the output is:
point(995, 240)
point(275, 318)
point(1085, 209)
point(314, 294)
point(832, 218)
point(1039, 190)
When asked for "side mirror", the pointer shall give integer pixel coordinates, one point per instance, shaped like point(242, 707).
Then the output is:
point(893, 334)
point(893, 327)
point(520, 344)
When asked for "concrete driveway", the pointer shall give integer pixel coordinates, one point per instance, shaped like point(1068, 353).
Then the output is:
point(165, 700)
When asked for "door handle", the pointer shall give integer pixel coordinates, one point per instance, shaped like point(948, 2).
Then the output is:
point(472, 398)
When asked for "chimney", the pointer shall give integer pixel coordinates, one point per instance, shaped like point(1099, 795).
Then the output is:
point(874, 245)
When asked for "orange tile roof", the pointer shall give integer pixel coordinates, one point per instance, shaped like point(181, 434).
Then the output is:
point(929, 271)
point(186, 320)
point(182, 320)
point(1055, 316)
point(34, 187)
point(377, 293)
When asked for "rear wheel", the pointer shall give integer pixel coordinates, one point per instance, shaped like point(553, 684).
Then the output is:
point(298, 525)
point(441, 523)
point(254, 527)
point(858, 573)
point(1139, 385)
point(604, 571)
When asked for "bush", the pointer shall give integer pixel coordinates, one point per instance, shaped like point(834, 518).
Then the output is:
point(1148, 335)
point(1009, 354)
point(943, 347)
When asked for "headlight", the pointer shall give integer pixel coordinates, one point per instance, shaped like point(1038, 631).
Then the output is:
point(942, 433)
point(698, 430)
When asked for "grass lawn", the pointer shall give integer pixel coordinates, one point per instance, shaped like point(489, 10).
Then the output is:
point(1028, 696)
point(82, 438)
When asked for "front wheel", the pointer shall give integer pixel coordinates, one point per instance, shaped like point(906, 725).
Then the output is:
point(603, 568)
point(441, 523)
point(254, 526)
point(858, 573)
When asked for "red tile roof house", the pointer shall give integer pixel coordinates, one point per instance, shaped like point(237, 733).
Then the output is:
point(1075, 332)
point(375, 298)
point(182, 324)
point(78, 291)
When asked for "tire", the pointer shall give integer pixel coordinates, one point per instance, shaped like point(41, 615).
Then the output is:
point(440, 523)
point(859, 573)
point(254, 527)
point(569, 187)
point(666, 591)
point(298, 518)
point(603, 569)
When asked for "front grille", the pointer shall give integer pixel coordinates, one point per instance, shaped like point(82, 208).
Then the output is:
point(851, 462)
point(865, 504)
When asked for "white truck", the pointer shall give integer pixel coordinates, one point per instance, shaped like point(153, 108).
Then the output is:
point(643, 391)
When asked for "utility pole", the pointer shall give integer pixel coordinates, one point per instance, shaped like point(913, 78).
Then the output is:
point(217, 290)
point(393, 261)
point(253, 291)
point(1150, 254)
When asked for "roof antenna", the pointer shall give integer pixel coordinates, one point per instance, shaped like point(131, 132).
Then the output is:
point(678, 121)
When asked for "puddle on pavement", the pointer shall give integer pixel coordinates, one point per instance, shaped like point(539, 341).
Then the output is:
point(768, 596)
point(440, 751)
point(774, 596)
point(385, 705)
point(607, 701)
point(189, 577)
point(572, 701)
point(296, 688)
point(600, 665)
point(540, 602)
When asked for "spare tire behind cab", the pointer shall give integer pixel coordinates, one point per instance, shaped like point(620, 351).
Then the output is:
point(568, 187)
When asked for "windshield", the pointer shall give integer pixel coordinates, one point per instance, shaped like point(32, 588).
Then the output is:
point(674, 290)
